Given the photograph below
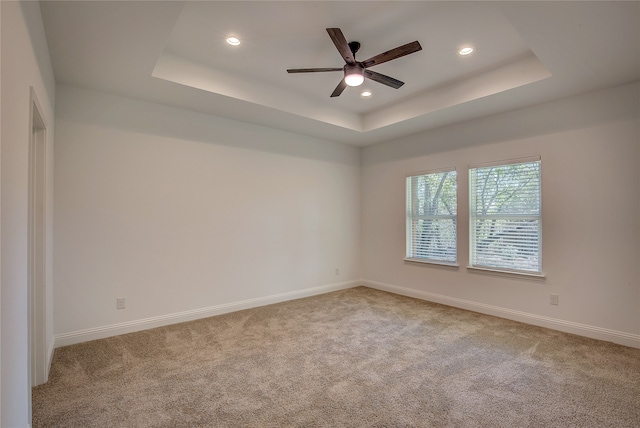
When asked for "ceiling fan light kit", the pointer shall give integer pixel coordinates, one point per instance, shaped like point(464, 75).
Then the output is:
point(356, 71)
point(353, 74)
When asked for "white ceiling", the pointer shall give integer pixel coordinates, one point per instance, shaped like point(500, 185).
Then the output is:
point(175, 53)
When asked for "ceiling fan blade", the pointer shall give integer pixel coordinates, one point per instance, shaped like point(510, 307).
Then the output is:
point(338, 90)
point(381, 78)
point(398, 52)
point(311, 70)
point(341, 44)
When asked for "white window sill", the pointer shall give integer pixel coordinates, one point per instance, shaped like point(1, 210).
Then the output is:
point(452, 265)
point(504, 272)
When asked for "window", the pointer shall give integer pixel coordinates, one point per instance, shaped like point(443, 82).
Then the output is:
point(505, 222)
point(431, 217)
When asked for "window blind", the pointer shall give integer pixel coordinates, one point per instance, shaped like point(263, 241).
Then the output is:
point(505, 222)
point(432, 217)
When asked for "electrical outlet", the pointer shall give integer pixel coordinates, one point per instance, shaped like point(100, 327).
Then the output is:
point(553, 299)
point(120, 303)
point(337, 271)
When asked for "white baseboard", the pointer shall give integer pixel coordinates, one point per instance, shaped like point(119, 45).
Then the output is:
point(622, 338)
point(619, 337)
point(80, 336)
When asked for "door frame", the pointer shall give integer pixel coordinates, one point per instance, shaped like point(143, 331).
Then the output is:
point(37, 242)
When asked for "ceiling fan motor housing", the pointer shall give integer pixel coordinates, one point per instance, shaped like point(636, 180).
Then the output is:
point(354, 47)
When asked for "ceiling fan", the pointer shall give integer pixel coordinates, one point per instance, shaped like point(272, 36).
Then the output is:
point(356, 71)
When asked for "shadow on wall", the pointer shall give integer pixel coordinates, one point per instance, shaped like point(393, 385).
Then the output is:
point(118, 112)
point(31, 13)
point(577, 112)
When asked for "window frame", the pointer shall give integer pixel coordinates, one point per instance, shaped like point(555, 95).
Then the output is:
point(410, 216)
point(472, 219)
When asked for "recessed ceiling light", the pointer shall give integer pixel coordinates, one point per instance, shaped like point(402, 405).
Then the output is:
point(466, 50)
point(366, 94)
point(233, 41)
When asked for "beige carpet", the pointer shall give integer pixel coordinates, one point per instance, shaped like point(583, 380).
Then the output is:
point(352, 358)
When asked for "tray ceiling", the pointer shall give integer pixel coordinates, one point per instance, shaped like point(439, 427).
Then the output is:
point(175, 53)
